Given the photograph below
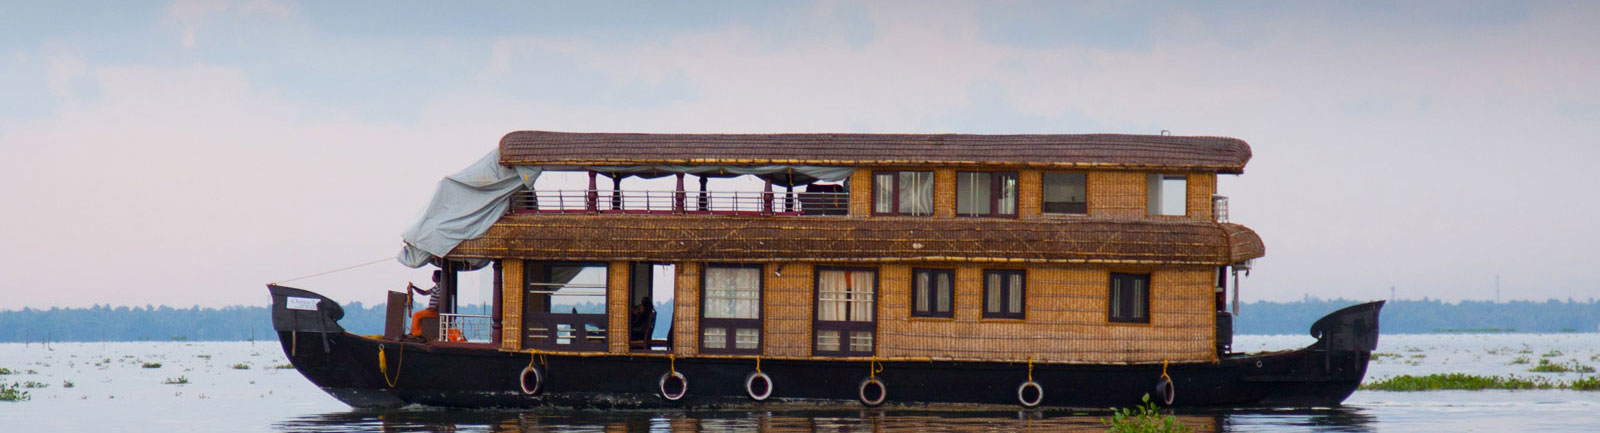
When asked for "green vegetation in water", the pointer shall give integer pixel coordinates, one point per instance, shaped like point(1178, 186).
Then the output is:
point(152, 365)
point(180, 380)
point(1453, 381)
point(67, 384)
point(1552, 353)
point(1142, 419)
point(10, 392)
point(1380, 356)
point(284, 366)
point(1545, 366)
point(5, 371)
point(1469, 382)
point(35, 385)
point(1520, 360)
point(241, 366)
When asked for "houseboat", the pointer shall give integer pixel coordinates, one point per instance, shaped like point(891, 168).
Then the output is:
point(825, 270)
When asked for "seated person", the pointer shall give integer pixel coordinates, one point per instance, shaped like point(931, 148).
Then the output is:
point(641, 322)
point(432, 312)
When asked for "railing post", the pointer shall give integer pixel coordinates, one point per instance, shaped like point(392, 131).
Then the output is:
point(592, 197)
point(678, 197)
point(766, 199)
point(703, 201)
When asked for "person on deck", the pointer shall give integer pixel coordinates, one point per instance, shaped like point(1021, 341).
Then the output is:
point(432, 312)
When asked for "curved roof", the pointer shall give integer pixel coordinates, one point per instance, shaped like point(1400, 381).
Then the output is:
point(863, 240)
point(1113, 151)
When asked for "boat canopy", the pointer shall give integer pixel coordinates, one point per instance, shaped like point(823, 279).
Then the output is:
point(467, 203)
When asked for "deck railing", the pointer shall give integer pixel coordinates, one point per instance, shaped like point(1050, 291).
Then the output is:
point(470, 328)
point(1219, 208)
point(681, 202)
point(565, 331)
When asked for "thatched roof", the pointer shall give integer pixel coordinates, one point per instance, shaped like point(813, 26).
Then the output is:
point(865, 240)
point(1107, 151)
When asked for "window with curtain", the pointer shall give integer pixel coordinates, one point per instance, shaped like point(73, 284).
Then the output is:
point(931, 292)
point(1004, 296)
point(846, 318)
point(1065, 193)
point(730, 309)
point(902, 193)
point(985, 194)
point(1129, 298)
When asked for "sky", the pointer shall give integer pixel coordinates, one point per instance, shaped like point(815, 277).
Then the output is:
point(187, 153)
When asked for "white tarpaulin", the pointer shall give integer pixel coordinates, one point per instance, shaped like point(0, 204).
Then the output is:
point(468, 202)
point(463, 207)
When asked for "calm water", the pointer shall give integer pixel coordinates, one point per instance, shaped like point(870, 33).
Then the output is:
point(234, 387)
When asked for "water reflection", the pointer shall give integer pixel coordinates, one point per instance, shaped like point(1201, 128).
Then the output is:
point(1332, 420)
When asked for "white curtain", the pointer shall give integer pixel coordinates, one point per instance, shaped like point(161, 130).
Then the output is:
point(845, 296)
point(733, 293)
point(992, 293)
point(916, 192)
point(883, 193)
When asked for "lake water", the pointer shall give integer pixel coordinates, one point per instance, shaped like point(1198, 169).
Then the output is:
point(234, 386)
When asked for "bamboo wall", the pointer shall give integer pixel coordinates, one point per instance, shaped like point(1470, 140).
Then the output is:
point(1201, 187)
point(1112, 194)
point(686, 310)
point(1117, 194)
point(1066, 319)
point(617, 284)
point(511, 304)
point(861, 193)
point(786, 310)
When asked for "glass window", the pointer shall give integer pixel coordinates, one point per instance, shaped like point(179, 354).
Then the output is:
point(1066, 193)
point(730, 309)
point(931, 292)
point(902, 193)
point(1003, 294)
point(986, 194)
point(1168, 194)
point(1130, 298)
point(846, 319)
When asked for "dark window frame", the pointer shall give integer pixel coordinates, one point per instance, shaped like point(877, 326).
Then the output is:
point(1129, 301)
point(994, 194)
point(1044, 203)
point(933, 302)
point(845, 328)
point(1005, 294)
point(535, 317)
point(730, 347)
point(894, 205)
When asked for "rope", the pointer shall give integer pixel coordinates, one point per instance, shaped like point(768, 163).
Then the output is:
point(374, 262)
point(1164, 371)
point(383, 365)
point(874, 367)
point(672, 364)
point(1030, 368)
point(758, 363)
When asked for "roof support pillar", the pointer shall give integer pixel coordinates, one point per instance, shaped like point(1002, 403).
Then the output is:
point(592, 196)
point(766, 199)
point(678, 197)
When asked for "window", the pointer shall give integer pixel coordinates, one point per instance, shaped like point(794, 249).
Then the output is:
point(902, 193)
point(986, 194)
point(1169, 194)
point(845, 321)
point(1003, 294)
point(1066, 193)
point(730, 309)
point(931, 292)
point(563, 305)
point(1130, 298)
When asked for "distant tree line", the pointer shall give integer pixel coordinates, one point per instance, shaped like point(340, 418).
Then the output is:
point(239, 323)
point(1427, 316)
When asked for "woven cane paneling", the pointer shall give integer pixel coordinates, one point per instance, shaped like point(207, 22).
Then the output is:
point(511, 305)
point(787, 305)
point(686, 310)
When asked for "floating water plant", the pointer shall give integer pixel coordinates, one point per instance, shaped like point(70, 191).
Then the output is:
point(4, 371)
point(1454, 381)
point(35, 385)
point(67, 384)
point(1551, 354)
point(1590, 383)
point(1545, 366)
point(1141, 419)
point(1379, 356)
point(1520, 360)
point(10, 392)
point(241, 366)
point(152, 365)
point(180, 380)
point(284, 366)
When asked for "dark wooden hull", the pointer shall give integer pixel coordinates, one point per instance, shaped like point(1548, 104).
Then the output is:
point(459, 375)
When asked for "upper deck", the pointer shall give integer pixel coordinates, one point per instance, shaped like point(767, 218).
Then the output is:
point(962, 193)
